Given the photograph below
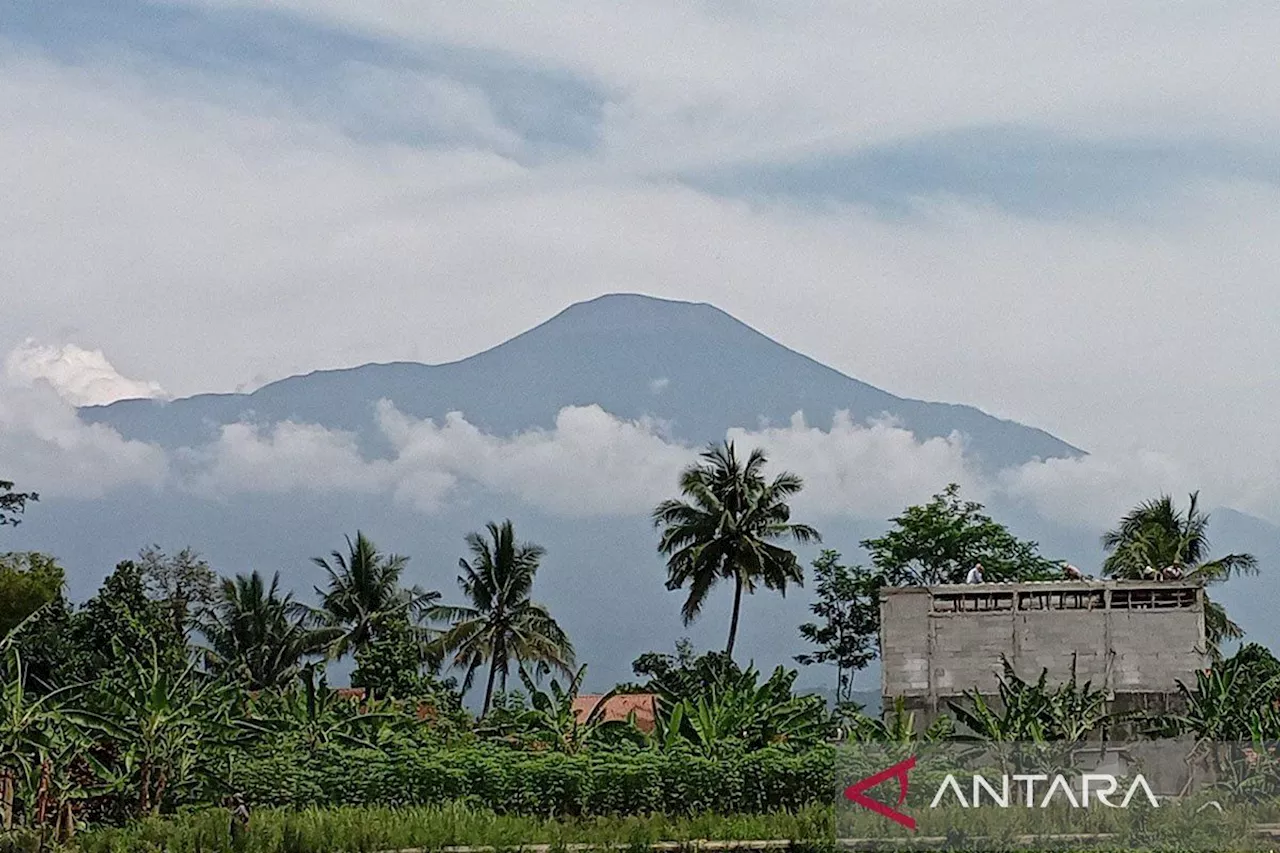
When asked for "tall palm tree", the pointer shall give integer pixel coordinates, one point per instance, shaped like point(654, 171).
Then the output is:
point(727, 528)
point(364, 594)
point(502, 624)
point(1156, 534)
point(256, 634)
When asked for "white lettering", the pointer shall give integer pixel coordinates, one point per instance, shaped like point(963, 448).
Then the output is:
point(1101, 795)
point(1139, 782)
point(1001, 799)
point(955, 786)
point(1060, 782)
point(1031, 780)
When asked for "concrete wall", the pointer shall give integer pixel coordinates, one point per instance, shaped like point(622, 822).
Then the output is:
point(1126, 637)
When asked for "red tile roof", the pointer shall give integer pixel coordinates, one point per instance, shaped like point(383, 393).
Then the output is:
point(619, 707)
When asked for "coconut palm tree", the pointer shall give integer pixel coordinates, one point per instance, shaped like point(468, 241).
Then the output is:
point(364, 594)
point(502, 624)
point(726, 530)
point(1156, 534)
point(256, 635)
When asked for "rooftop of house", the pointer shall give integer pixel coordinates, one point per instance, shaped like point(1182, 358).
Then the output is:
point(1041, 586)
point(619, 707)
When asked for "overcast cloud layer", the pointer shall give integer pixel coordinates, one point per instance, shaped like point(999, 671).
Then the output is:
point(1065, 216)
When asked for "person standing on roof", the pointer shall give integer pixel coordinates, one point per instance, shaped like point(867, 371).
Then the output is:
point(975, 574)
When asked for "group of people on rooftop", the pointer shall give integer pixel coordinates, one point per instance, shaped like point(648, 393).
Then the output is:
point(1168, 573)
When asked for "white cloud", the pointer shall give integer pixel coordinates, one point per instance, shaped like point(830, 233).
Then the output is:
point(285, 457)
point(1094, 491)
point(863, 470)
point(591, 463)
point(47, 449)
point(705, 81)
point(130, 180)
point(81, 377)
point(657, 386)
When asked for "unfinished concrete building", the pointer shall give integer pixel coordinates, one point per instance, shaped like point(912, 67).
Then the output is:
point(1135, 639)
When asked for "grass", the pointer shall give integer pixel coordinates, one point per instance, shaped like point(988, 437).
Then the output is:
point(363, 830)
point(1180, 826)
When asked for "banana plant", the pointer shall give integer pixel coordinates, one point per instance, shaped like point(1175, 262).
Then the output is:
point(169, 727)
point(899, 728)
point(318, 715)
point(43, 741)
point(551, 721)
point(739, 709)
point(1034, 712)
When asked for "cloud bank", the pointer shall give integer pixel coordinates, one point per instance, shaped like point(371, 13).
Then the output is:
point(590, 463)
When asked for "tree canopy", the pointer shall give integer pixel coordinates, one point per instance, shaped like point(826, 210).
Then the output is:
point(726, 529)
point(940, 541)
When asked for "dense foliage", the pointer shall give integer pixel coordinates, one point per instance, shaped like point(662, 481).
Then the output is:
point(940, 541)
point(1157, 537)
point(172, 688)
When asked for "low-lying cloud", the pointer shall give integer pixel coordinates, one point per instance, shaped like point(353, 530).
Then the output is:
point(590, 463)
point(45, 447)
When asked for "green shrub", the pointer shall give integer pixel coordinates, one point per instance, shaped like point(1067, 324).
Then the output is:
point(548, 784)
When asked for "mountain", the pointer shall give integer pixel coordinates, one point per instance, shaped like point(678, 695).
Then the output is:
point(689, 364)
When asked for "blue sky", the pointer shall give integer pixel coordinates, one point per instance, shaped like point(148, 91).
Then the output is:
point(1051, 213)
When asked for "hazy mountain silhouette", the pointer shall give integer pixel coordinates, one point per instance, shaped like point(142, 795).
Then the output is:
point(602, 577)
point(689, 364)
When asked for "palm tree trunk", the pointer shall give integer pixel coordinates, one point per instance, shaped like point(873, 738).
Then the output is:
point(488, 690)
point(737, 608)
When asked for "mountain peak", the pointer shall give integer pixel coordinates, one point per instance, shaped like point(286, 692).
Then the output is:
point(688, 364)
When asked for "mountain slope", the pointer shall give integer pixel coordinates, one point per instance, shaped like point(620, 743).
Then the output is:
point(689, 364)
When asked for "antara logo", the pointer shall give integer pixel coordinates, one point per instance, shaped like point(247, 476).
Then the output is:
point(1093, 786)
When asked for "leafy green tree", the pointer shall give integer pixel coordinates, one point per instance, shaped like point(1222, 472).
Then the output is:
point(939, 542)
point(184, 583)
point(122, 614)
point(686, 673)
point(848, 604)
point(1155, 535)
point(364, 593)
point(255, 636)
point(398, 663)
point(13, 504)
point(28, 581)
point(502, 624)
point(726, 530)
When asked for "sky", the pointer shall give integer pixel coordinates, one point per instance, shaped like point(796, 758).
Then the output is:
point(1063, 215)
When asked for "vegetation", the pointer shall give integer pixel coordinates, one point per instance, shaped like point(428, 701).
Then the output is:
point(1156, 536)
point(125, 723)
point(13, 504)
point(939, 542)
point(502, 623)
point(726, 530)
point(847, 600)
point(255, 634)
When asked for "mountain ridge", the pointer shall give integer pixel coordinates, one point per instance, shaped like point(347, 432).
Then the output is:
point(689, 363)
